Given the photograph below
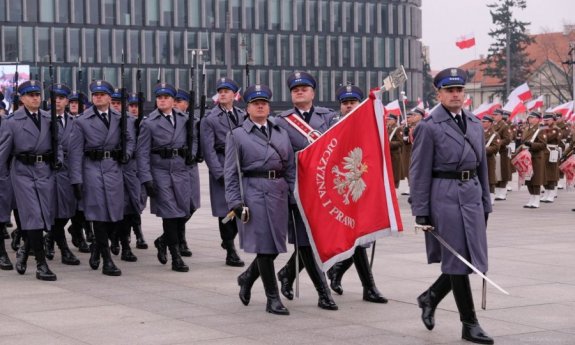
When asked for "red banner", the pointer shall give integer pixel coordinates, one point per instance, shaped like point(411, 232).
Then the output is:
point(344, 185)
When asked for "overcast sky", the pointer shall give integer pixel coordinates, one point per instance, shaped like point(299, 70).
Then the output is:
point(445, 20)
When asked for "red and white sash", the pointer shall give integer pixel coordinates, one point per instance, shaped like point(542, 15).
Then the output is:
point(303, 127)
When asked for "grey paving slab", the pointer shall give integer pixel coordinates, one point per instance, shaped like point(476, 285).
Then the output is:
point(531, 255)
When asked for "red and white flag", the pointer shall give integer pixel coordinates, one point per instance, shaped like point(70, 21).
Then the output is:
point(514, 106)
point(465, 41)
point(522, 92)
point(344, 185)
point(419, 104)
point(467, 102)
point(486, 108)
point(535, 104)
point(566, 110)
point(237, 97)
point(392, 108)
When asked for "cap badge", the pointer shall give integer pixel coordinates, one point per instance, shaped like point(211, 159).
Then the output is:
point(454, 72)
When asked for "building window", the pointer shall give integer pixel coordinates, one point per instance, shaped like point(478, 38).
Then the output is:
point(181, 11)
point(119, 46)
point(148, 55)
point(163, 47)
point(194, 13)
point(134, 49)
point(167, 13)
point(31, 10)
point(152, 9)
point(249, 14)
point(78, 11)
point(105, 48)
point(2, 10)
point(93, 12)
point(299, 15)
point(59, 45)
point(63, 12)
point(109, 12)
point(15, 10)
point(27, 45)
point(286, 16)
point(10, 40)
point(177, 48)
point(274, 15)
point(46, 11)
point(74, 45)
point(88, 44)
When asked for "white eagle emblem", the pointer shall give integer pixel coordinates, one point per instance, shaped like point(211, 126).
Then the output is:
point(350, 182)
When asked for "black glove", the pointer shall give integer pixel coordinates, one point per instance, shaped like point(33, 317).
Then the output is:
point(151, 189)
point(528, 143)
point(486, 217)
point(422, 220)
point(238, 210)
point(57, 165)
point(78, 190)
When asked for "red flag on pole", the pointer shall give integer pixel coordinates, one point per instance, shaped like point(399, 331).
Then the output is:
point(465, 41)
point(344, 185)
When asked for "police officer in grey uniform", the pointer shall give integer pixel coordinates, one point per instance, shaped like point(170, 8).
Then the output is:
point(5, 205)
point(349, 97)
point(262, 153)
point(214, 128)
point(449, 190)
point(96, 158)
point(162, 169)
point(66, 202)
point(27, 139)
point(302, 87)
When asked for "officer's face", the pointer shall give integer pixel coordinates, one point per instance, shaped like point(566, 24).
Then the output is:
point(226, 96)
point(116, 105)
point(548, 122)
point(391, 122)
point(61, 103)
point(347, 106)
point(133, 109)
point(258, 110)
point(101, 99)
point(497, 117)
point(74, 107)
point(31, 101)
point(533, 120)
point(451, 98)
point(165, 103)
point(486, 124)
point(182, 105)
point(302, 95)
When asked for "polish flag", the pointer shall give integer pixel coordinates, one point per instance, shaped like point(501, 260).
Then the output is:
point(486, 108)
point(514, 106)
point(465, 41)
point(237, 97)
point(535, 104)
point(467, 102)
point(522, 92)
point(344, 186)
point(566, 111)
point(419, 104)
point(392, 108)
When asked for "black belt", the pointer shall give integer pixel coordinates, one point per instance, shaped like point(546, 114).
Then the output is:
point(464, 175)
point(30, 158)
point(98, 155)
point(220, 149)
point(169, 153)
point(270, 174)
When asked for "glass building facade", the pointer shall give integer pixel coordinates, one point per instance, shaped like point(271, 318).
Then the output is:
point(337, 41)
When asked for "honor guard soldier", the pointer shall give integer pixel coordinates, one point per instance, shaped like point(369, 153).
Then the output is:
point(506, 148)
point(6, 200)
point(116, 103)
point(259, 172)
point(95, 156)
point(396, 148)
point(535, 140)
point(161, 156)
point(567, 139)
point(412, 118)
point(491, 150)
point(26, 138)
point(66, 204)
point(350, 97)
point(302, 122)
point(74, 99)
point(214, 128)
point(133, 104)
point(450, 196)
point(551, 157)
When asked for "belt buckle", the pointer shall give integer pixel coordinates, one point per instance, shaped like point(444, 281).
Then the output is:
point(39, 159)
point(271, 174)
point(465, 175)
point(174, 153)
point(107, 155)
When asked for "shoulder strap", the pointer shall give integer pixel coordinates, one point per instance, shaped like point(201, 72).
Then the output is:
point(303, 127)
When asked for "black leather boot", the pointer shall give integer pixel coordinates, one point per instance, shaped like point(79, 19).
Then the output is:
point(246, 281)
point(49, 245)
point(336, 272)
point(124, 230)
point(89, 231)
point(184, 249)
point(370, 291)
point(108, 266)
point(178, 264)
point(78, 239)
point(16, 235)
point(94, 256)
point(43, 272)
point(137, 227)
point(22, 258)
point(4, 232)
point(5, 263)
point(471, 330)
point(232, 257)
point(68, 258)
point(115, 239)
point(274, 304)
point(286, 276)
point(160, 244)
point(325, 300)
point(429, 300)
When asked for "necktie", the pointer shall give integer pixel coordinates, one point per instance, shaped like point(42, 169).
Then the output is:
point(459, 122)
point(169, 117)
point(264, 131)
point(105, 119)
point(306, 116)
point(61, 120)
point(232, 117)
point(35, 119)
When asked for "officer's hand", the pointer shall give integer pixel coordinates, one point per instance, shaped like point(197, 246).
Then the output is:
point(486, 217)
point(238, 210)
point(151, 189)
point(78, 190)
point(125, 159)
point(57, 165)
point(528, 143)
point(422, 220)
